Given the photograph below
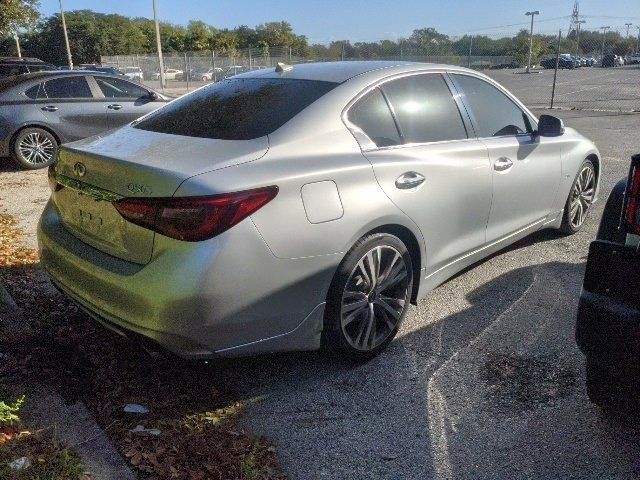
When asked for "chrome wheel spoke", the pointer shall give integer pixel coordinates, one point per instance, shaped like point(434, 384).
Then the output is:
point(374, 298)
point(582, 196)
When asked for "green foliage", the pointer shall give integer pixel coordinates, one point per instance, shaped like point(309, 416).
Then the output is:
point(9, 411)
point(17, 13)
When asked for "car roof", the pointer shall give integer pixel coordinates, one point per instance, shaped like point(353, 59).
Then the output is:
point(340, 72)
point(22, 60)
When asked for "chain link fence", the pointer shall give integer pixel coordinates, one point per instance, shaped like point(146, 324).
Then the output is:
point(590, 73)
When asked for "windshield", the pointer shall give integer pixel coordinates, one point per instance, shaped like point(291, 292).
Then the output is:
point(236, 109)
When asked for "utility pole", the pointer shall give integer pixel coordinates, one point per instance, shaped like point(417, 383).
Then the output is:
point(159, 45)
point(628, 25)
point(66, 37)
point(470, 47)
point(532, 14)
point(17, 45)
point(578, 23)
point(604, 37)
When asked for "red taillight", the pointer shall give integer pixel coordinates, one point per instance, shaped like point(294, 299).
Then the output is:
point(632, 213)
point(194, 218)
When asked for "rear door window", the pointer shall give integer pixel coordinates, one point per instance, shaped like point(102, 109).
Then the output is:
point(372, 115)
point(117, 88)
point(236, 109)
point(496, 114)
point(69, 87)
point(425, 109)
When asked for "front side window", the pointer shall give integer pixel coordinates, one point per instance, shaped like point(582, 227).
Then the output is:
point(372, 115)
point(70, 87)
point(425, 109)
point(116, 88)
point(496, 114)
point(236, 109)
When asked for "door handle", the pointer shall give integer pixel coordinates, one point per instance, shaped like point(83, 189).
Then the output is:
point(49, 108)
point(114, 106)
point(409, 180)
point(502, 164)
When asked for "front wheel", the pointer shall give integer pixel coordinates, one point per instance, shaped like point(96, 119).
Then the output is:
point(34, 148)
point(580, 199)
point(369, 297)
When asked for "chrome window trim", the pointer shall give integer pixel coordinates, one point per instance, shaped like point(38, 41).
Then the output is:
point(368, 145)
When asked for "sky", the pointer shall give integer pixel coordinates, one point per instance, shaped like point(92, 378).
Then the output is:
point(368, 20)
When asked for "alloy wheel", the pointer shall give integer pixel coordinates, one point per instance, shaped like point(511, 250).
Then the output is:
point(375, 298)
point(582, 196)
point(36, 148)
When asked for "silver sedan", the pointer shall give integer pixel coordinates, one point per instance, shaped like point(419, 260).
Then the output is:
point(305, 206)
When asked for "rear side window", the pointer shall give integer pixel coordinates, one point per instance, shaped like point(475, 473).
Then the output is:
point(372, 115)
point(496, 114)
point(70, 87)
point(425, 109)
point(35, 92)
point(236, 109)
point(116, 88)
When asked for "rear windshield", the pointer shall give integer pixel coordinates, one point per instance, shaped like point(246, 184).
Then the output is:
point(237, 108)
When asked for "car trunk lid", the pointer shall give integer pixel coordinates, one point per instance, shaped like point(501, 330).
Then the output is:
point(130, 163)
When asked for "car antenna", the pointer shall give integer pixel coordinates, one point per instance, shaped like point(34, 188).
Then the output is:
point(283, 67)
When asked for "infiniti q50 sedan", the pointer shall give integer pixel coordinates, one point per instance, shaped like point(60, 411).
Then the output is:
point(38, 111)
point(304, 206)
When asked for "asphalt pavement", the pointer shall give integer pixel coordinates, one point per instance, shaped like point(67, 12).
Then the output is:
point(483, 382)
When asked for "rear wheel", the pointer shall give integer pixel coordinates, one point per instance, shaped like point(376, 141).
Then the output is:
point(369, 297)
point(34, 148)
point(580, 199)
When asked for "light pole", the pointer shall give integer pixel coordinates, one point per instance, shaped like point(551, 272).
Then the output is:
point(66, 37)
point(578, 23)
point(628, 25)
point(17, 45)
point(604, 37)
point(160, 61)
point(533, 14)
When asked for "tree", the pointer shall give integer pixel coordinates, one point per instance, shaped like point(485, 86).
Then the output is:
point(15, 14)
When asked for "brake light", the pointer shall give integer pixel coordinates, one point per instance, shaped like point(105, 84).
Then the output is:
point(194, 219)
point(632, 212)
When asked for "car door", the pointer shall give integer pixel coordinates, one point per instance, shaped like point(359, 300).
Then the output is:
point(526, 168)
point(68, 105)
point(124, 101)
point(426, 163)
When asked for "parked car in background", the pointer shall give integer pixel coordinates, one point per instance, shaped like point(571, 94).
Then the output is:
point(634, 59)
point(563, 62)
point(170, 74)
point(103, 69)
point(39, 111)
point(235, 70)
point(10, 66)
point(212, 74)
point(367, 185)
point(609, 60)
point(133, 73)
point(608, 323)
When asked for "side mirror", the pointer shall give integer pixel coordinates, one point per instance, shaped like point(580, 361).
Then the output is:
point(152, 96)
point(549, 126)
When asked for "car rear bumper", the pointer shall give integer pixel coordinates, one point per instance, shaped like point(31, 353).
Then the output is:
point(225, 296)
point(608, 321)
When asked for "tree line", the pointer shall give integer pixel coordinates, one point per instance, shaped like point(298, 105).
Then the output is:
point(93, 34)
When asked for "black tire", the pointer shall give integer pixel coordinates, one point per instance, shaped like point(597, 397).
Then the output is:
point(384, 326)
point(35, 137)
point(606, 391)
point(567, 227)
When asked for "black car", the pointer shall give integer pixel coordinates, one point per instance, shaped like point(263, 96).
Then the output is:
point(609, 60)
point(608, 323)
point(10, 66)
point(563, 62)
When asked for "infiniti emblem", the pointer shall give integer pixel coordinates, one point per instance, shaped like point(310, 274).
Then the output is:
point(79, 169)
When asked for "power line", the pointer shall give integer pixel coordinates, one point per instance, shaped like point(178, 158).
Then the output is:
point(519, 24)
